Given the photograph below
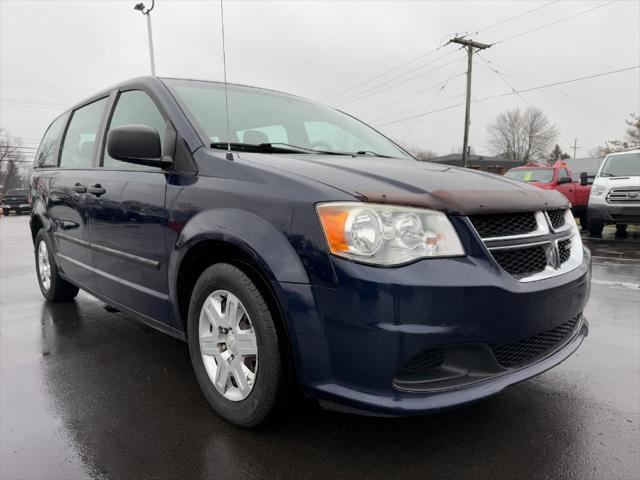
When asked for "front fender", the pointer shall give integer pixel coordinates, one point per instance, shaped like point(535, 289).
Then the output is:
point(266, 245)
point(269, 247)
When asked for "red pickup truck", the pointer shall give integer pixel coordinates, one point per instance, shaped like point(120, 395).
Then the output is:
point(557, 177)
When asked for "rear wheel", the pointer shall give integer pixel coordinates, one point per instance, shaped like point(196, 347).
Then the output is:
point(53, 287)
point(584, 221)
point(234, 346)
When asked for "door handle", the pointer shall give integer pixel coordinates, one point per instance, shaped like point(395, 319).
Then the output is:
point(96, 190)
point(77, 188)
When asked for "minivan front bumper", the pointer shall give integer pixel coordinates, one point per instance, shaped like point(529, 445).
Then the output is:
point(350, 342)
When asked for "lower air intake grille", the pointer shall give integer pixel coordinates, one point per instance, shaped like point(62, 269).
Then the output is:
point(422, 362)
point(523, 352)
point(556, 217)
point(504, 224)
point(522, 262)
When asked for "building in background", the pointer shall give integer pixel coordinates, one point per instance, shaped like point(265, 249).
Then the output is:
point(486, 163)
point(587, 164)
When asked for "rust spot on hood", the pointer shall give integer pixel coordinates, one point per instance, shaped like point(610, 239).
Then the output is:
point(473, 202)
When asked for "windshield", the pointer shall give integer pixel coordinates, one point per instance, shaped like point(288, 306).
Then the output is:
point(16, 193)
point(262, 117)
point(621, 165)
point(542, 175)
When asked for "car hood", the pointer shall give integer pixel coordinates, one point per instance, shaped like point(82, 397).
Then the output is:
point(458, 191)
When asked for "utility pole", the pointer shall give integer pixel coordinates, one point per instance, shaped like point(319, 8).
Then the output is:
point(470, 45)
point(140, 7)
point(575, 147)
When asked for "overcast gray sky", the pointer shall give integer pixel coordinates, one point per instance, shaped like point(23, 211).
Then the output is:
point(53, 53)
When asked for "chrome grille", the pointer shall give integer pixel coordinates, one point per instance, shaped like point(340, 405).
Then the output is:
point(530, 245)
point(502, 225)
point(556, 217)
point(564, 250)
point(522, 262)
point(624, 195)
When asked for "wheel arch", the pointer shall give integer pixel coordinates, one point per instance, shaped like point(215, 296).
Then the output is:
point(242, 239)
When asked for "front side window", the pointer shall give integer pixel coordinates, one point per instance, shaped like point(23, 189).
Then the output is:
point(259, 116)
point(134, 107)
point(562, 173)
point(47, 155)
point(621, 165)
point(80, 139)
point(542, 175)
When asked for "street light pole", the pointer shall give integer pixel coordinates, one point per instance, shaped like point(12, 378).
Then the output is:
point(140, 7)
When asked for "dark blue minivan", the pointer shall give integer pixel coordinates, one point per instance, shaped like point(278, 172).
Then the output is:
point(296, 249)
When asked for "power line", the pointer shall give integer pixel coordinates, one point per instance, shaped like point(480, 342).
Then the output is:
point(451, 77)
point(40, 85)
point(502, 77)
point(532, 82)
point(408, 62)
point(587, 77)
point(539, 7)
point(511, 93)
point(423, 55)
point(395, 102)
point(553, 23)
point(376, 89)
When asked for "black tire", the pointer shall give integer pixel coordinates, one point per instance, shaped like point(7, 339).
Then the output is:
point(5, 211)
point(595, 228)
point(59, 289)
point(269, 393)
point(621, 230)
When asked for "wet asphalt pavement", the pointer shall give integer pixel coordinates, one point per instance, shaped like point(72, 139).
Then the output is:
point(85, 393)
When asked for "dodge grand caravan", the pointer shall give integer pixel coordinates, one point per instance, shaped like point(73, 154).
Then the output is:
point(296, 249)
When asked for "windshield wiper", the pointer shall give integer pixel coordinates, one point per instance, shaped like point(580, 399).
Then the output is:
point(274, 147)
point(301, 149)
point(371, 152)
point(252, 147)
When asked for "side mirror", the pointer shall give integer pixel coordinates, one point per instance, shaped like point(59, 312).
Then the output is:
point(584, 179)
point(139, 144)
point(562, 180)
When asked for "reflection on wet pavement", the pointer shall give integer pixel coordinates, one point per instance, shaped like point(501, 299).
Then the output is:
point(85, 393)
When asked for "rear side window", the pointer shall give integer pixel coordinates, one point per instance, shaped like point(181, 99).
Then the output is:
point(134, 108)
point(81, 136)
point(47, 155)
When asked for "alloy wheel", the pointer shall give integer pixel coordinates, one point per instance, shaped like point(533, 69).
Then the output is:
point(44, 267)
point(228, 345)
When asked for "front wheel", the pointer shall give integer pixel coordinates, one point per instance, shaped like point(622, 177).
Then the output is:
point(53, 287)
point(235, 350)
point(595, 228)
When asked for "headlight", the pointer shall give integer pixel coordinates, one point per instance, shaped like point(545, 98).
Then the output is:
point(387, 235)
point(598, 190)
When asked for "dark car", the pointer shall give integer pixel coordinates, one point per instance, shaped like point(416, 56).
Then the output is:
point(296, 249)
point(16, 199)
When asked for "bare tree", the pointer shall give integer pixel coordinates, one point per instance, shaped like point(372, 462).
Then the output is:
point(10, 156)
point(631, 138)
point(632, 133)
point(422, 154)
point(522, 136)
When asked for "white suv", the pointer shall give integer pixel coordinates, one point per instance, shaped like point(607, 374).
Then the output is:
point(615, 194)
